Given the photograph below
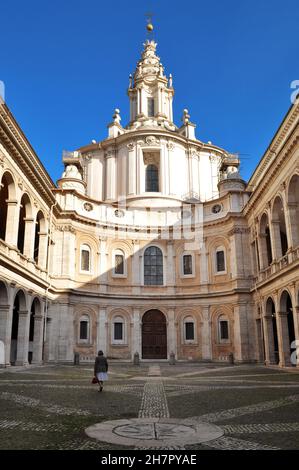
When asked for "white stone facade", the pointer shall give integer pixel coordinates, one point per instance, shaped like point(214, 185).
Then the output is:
point(151, 243)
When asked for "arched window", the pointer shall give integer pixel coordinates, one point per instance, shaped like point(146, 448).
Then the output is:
point(24, 232)
point(223, 329)
point(40, 222)
point(220, 260)
point(85, 261)
point(189, 329)
point(119, 263)
point(118, 330)
point(152, 178)
point(153, 266)
point(84, 329)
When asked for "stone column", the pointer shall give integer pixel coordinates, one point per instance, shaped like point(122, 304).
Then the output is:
point(102, 330)
point(12, 224)
point(103, 272)
point(171, 333)
point(275, 239)
point(283, 339)
point(203, 265)
point(132, 177)
point(137, 337)
point(6, 313)
point(170, 265)
point(163, 173)
point(206, 334)
point(42, 250)
point(269, 340)
point(29, 236)
point(23, 338)
point(241, 333)
point(110, 175)
point(296, 327)
point(136, 273)
point(38, 339)
point(65, 335)
point(291, 216)
point(262, 245)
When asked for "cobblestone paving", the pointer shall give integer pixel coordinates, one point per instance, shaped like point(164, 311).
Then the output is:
point(244, 410)
point(231, 443)
point(34, 403)
point(255, 428)
point(31, 426)
point(49, 407)
point(154, 402)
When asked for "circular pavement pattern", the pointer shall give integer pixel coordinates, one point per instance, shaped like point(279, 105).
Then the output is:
point(153, 432)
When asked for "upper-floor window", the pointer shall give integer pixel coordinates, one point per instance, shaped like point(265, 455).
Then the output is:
point(85, 264)
point(119, 263)
point(187, 264)
point(153, 266)
point(220, 260)
point(151, 178)
point(150, 107)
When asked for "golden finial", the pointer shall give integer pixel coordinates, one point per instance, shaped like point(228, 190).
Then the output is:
point(149, 25)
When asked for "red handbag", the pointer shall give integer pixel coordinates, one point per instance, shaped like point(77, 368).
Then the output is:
point(94, 380)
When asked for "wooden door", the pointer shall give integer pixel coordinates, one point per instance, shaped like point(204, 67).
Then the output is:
point(154, 337)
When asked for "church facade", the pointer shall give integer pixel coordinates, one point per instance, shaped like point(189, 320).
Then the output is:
point(150, 244)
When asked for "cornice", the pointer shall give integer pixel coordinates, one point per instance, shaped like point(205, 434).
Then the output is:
point(275, 147)
point(280, 159)
point(16, 144)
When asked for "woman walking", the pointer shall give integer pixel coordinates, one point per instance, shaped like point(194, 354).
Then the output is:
point(101, 369)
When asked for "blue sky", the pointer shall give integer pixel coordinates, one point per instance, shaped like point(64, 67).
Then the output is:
point(65, 65)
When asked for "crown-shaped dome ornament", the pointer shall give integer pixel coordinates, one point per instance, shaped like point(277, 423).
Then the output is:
point(149, 66)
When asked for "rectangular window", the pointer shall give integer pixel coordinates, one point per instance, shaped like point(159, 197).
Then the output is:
point(83, 330)
point(118, 331)
point(220, 261)
point(85, 260)
point(189, 330)
point(224, 330)
point(119, 264)
point(187, 262)
point(151, 107)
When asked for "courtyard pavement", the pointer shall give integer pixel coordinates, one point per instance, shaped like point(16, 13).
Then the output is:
point(151, 406)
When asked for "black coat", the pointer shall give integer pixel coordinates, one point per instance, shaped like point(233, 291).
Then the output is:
point(100, 365)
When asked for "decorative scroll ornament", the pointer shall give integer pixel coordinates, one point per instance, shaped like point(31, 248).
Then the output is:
point(130, 146)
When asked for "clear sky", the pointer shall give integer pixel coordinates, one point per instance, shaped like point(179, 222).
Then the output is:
point(65, 65)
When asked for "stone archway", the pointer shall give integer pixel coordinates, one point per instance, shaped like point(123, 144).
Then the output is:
point(154, 335)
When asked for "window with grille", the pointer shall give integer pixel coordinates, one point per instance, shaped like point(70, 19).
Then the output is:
point(153, 266)
point(85, 258)
point(223, 326)
point(187, 264)
point(220, 261)
point(151, 107)
point(118, 331)
point(151, 178)
point(84, 329)
point(189, 331)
